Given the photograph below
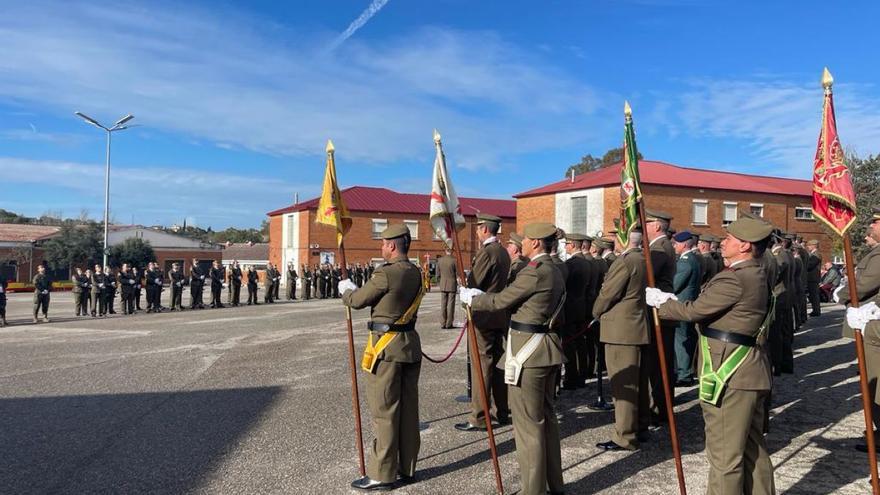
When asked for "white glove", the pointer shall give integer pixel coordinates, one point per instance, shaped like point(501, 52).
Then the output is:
point(131, 282)
point(656, 297)
point(202, 277)
point(158, 281)
point(45, 292)
point(836, 294)
point(858, 318)
point(467, 295)
point(346, 285)
point(101, 285)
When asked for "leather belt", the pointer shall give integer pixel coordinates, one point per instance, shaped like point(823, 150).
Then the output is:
point(391, 327)
point(730, 337)
point(529, 327)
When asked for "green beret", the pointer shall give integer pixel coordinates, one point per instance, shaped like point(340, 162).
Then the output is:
point(749, 229)
point(395, 231)
point(515, 239)
point(708, 238)
point(572, 236)
point(485, 217)
point(654, 215)
point(539, 230)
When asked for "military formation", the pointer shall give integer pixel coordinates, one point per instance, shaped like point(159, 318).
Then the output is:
point(554, 309)
point(100, 290)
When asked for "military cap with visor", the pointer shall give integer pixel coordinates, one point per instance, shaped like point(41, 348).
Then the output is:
point(394, 231)
point(540, 230)
point(750, 230)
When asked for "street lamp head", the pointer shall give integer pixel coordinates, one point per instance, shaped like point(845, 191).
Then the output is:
point(89, 120)
point(123, 120)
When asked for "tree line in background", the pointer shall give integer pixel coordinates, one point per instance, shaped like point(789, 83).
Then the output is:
point(866, 184)
point(589, 163)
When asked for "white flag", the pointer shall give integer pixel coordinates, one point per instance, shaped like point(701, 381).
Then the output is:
point(443, 198)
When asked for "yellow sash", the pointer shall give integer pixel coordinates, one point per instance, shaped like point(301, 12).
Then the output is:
point(371, 352)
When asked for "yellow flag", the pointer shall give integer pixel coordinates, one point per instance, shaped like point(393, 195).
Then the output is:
point(331, 208)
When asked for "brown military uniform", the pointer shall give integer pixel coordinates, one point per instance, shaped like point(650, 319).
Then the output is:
point(663, 262)
point(781, 342)
point(515, 266)
point(393, 389)
point(581, 274)
point(448, 283)
point(867, 287)
point(489, 273)
point(734, 301)
point(532, 299)
point(621, 310)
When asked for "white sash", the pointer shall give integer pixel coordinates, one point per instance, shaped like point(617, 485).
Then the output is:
point(513, 364)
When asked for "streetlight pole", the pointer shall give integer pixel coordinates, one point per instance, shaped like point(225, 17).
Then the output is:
point(118, 126)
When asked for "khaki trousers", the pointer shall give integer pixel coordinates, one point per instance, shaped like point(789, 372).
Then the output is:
point(393, 398)
point(738, 459)
point(447, 308)
point(536, 431)
point(872, 366)
point(490, 346)
point(628, 373)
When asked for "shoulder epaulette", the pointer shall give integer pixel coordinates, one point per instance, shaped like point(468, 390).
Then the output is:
point(534, 264)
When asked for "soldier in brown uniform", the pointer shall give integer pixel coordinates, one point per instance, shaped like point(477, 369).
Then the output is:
point(587, 354)
point(448, 281)
point(517, 260)
point(707, 263)
point(814, 265)
point(393, 361)
point(578, 287)
point(664, 265)
point(532, 359)
point(735, 368)
point(42, 288)
point(867, 287)
point(781, 352)
point(800, 281)
point(620, 309)
point(489, 273)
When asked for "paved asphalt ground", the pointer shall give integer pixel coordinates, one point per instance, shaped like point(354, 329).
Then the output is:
point(256, 400)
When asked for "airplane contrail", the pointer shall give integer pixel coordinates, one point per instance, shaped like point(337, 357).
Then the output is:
point(358, 23)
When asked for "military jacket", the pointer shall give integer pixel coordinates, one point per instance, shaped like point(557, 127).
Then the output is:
point(252, 277)
point(784, 265)
point(178, 279)
point(389, 293)
point(79, 283)
point(489, 273)
point(235, 276)
point(216, 275)
point(196, 277)
point(620, 306)
point(446, 270)
point(814, 264)
point(99, 283)
point(663, 263)
point(734, 301)
point(532, 298)
point(867, 283)
point(125, 282)
point(516, 266)
point(686, 284)
point(578, 287)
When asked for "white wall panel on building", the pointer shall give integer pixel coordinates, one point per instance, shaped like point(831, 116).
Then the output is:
point(290, 241)
point(569, 201)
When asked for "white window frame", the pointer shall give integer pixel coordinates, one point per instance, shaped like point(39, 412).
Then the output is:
point(760, 206)
point(724, 209)
point(376, 233)
point(701, 202)
point(808, 218)
point(413, 226)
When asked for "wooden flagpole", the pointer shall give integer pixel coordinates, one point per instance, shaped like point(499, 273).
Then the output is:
point(355, 397)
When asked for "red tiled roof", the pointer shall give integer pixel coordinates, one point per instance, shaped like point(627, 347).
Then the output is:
point(22, 232)
point(380, 199)
point(244, 251)
point(665, 174)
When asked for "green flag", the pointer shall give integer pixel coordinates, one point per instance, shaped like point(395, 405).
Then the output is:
point(630, 187)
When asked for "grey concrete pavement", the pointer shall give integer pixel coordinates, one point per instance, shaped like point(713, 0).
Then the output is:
point(257, 400)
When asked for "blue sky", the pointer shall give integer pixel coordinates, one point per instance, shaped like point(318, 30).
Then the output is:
point(235, 100)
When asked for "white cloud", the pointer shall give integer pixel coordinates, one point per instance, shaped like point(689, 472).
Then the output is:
point(229, 78)
point(779, 120)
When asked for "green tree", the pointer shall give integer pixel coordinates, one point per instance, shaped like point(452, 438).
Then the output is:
point(234, 235)
point(589, 163)
point(866, 176)
point(134, 251)
point(74, 245)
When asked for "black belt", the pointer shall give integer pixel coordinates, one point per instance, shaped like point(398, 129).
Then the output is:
point(391, 327)
point(529, 327)
point(730, 337)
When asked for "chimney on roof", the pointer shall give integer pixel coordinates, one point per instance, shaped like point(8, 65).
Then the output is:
point(572, 176)
point(296, 198)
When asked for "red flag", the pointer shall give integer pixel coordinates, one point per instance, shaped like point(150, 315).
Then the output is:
point(834, 201)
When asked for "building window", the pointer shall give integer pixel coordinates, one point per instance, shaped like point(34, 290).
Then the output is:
point(413, 226)
point(579, 214)
point(729, 214)
point(757, 209)
point(700, 213)
point(379, 224)
point(803, 213)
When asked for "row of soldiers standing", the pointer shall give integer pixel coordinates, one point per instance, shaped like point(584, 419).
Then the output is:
point(322, 280)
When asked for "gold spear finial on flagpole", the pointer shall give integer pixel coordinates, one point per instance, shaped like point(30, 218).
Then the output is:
point(627, 110)
point(436, 136)
point(330, 147)
point(827, 80)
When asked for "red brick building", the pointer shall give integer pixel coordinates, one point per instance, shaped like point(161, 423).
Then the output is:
point(294, 235)
point(699, 200)
point(20, 249)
